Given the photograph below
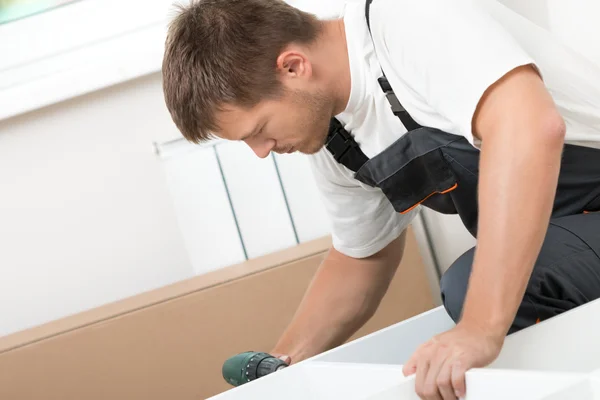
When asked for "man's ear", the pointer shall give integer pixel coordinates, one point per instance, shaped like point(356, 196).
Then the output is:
point(293, 64)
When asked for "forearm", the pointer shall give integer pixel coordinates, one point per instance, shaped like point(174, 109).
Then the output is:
point(518, 179)
point(343, 295)
point(327, 317)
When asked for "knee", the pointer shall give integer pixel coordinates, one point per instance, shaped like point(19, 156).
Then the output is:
point(454, 284)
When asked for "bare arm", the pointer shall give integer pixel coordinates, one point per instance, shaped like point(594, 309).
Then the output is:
point(343, 296)
point(522, 139)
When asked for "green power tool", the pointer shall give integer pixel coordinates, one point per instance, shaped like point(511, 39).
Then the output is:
point(248, 366)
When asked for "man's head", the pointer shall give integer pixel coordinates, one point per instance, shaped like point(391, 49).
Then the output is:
point(245, 70)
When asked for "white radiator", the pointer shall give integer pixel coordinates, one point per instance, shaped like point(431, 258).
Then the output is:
point(233, 206)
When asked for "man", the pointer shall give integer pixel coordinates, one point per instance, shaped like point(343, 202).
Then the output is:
point(460, 106)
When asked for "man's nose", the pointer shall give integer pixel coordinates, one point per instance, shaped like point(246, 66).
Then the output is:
point(261, 148)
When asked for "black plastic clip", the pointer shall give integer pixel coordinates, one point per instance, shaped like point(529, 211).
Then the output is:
point(344, 148)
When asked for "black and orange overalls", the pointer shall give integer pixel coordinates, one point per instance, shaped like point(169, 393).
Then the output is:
point(440, 170)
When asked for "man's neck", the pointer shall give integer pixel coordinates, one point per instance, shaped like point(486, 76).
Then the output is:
point(334, 63)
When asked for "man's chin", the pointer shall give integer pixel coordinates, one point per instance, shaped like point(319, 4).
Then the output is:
point(313, 146)
point(311, 150)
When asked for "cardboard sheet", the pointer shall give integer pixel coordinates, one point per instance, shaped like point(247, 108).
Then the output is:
point(170, 343)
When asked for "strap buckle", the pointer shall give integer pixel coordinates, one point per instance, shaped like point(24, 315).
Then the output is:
point(390, 95)
point(340, 142)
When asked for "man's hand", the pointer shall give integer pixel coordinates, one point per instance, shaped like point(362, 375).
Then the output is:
point(441, 363)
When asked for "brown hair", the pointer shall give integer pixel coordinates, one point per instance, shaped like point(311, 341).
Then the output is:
point(221, 52)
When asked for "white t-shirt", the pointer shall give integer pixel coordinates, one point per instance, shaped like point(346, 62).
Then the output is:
point(440, 56)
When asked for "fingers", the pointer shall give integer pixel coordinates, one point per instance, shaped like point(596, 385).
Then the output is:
point(458, 378)
point(423, 370)
point(437, 383)
point(285, 358)
point(410, 367)
point(444, 381)
point(441, 379)
point(422, 351)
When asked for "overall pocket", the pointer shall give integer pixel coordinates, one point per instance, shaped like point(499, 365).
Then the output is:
point(411, 170)
point(418, 181)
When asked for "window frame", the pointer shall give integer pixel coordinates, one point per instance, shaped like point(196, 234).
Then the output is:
point(78, 48)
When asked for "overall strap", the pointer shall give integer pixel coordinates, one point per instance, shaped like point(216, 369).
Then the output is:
point(409, 123)
point(342, 145)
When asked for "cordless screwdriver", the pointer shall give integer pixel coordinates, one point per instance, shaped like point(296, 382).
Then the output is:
point(250, 365)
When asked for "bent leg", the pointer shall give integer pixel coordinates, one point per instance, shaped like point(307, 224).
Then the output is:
point(566, 273)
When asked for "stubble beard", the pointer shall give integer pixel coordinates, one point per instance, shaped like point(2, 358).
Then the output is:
point(317, 125)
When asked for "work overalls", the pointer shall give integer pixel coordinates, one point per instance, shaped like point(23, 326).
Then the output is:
point(440, 170)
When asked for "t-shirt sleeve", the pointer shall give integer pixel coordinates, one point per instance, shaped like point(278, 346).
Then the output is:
point(448, 52)
point(362, 220)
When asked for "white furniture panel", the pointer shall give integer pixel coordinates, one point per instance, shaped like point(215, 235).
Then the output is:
point(492, 385)
point(394, 344)
point(325, 381)
point(304, 199)
point(203, 210)
point(404, 390)
point(257, 199)
point(369, 373)
point(318, 381)
point(489, 384)
point(567, 342)
point(587, 389)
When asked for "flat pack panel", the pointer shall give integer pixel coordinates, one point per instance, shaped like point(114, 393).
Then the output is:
point(318, 381)
point(303, 196)
point(350, 381)
point(257, 199)
point(324, 381)
point(492, 384)
point(392, 345)
point(566, 342)
point(404, 390)
point(485, 384)
point(583, 390)
point(202, 207)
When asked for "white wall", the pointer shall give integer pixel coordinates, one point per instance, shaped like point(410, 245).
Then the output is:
point(91, 213)
point(85, 213)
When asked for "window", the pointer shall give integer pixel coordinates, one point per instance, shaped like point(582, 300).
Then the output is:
point(12, 10)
